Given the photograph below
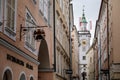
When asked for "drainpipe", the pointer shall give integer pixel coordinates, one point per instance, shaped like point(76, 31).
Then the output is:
point(54, 35)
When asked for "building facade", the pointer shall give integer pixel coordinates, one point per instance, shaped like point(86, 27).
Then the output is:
point(113, 39)
point(75, 53)
point(20, 51)
point(84, 39)
point(108, 23)
point(28, 46)
point(102, 37)
point(90, 63)
point(62, 35)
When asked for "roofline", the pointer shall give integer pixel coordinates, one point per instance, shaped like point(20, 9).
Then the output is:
point(100, 9)
point(98, 17)
point(95, 28)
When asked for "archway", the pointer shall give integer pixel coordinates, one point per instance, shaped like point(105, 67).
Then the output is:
point(7, 75)
point(43, 56)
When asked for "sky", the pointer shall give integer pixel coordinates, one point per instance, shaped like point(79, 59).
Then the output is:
point(91, 12)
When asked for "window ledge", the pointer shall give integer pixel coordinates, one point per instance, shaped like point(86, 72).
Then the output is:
point(11, 32)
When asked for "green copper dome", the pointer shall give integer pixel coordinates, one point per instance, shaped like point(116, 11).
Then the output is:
point(83, 18)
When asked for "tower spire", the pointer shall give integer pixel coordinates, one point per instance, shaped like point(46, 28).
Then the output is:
point(83, 10)
point(84, 21)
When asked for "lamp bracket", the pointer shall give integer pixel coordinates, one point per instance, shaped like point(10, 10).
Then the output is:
point(23, 28)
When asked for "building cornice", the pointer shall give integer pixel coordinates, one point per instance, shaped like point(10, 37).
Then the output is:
point(18, 51)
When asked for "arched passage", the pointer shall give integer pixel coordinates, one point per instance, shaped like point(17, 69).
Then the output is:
point(43, 56)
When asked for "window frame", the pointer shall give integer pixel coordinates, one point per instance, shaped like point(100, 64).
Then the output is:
point(22, 75)
point(84, 58)
point(28, 43)
point(7, 30)
point(44, 9)
point(31, 78)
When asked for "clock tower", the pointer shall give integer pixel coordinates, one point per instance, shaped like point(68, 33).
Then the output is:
point(84, 39)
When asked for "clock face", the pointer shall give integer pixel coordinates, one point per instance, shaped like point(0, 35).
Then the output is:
point(84, 42)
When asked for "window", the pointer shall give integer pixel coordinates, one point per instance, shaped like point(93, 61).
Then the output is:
point(7, 75)
point(10, 14)
point(84, 65)
point(31, 78)
point(22, 77)
point(41, 6)
point(29, 39)
point(44, 8)
point(10, 18)
point(84, 57)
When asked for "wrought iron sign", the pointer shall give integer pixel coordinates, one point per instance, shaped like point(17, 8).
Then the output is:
point(38, 33)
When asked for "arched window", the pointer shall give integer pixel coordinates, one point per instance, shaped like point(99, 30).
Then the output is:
point(7, 75)
point(22, 77)
point(31, 78)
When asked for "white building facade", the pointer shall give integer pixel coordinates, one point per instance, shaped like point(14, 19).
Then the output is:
point(84, 39)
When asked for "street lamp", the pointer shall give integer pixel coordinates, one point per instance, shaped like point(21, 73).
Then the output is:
point(39, 34)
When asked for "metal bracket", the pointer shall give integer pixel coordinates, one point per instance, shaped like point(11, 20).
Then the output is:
point(25, 29)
